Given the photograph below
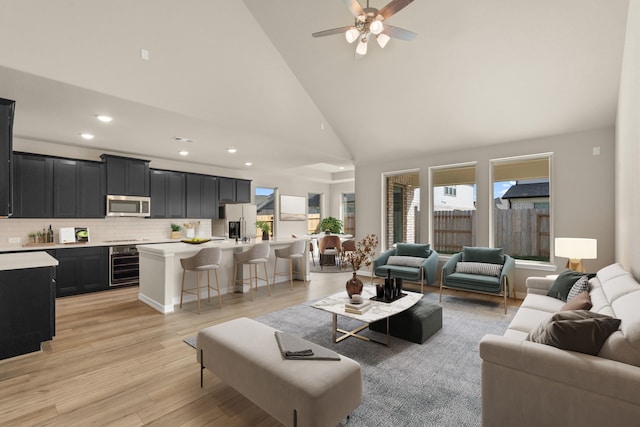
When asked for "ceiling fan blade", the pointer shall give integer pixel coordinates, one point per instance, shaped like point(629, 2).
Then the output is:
point(331, 32)
point(399, 33)
point(354, 7)
point(393, 7)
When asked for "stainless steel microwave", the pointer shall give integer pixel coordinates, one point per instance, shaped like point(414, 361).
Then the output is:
point(128, 206)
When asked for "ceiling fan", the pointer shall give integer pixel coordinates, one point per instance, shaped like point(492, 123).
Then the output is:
point(369, 23)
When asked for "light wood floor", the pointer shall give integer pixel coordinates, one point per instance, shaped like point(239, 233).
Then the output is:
point(116, 361)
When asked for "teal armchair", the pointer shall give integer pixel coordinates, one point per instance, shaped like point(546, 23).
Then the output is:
point(481, 270)
point(414, 262)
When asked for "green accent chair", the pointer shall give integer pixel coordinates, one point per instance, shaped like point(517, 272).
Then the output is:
point(415, 262)
point(481, 270)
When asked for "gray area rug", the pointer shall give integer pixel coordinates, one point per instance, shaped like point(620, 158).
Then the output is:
point(433, 384)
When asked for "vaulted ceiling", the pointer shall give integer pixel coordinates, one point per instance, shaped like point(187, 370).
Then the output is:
point(249, 75)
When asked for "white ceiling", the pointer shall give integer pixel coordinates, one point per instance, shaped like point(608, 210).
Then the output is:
point(249, 75)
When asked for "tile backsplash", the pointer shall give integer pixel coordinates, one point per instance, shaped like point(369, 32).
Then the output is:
point(99, 229)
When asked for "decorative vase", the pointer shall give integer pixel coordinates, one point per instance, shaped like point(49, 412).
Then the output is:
point(175, 235)
point(265, 236)
point(354, 285)
point(380, 291)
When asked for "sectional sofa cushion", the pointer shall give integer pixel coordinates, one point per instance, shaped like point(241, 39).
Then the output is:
point(489, 255)
point(578, 330)
point(563, 284)
point(484, 268)
point(413, 249)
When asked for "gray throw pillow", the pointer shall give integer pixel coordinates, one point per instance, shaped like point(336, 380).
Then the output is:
point(563, 284)
point(480, 254)
point(578, 330)
point(581, 285)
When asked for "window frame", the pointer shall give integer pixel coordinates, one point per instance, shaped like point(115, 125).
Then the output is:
point(543, 265)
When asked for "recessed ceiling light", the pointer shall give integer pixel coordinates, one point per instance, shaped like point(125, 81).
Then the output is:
point(248, 163)
point(231, 150)
point(181, 139)
point(184, 153)
point(104, 119)
point(87, 135)
point(341, 167)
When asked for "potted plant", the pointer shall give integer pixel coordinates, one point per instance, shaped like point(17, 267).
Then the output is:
point(365, 249)
point(175, 231)
point(265, 227)
point(333, 225)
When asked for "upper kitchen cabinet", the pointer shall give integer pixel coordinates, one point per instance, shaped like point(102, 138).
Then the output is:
point(78, 189)
point(202, 196)
point(167, 194)
point(234, 190)
point(7, 109)
point(126, 176)
point(33, 191)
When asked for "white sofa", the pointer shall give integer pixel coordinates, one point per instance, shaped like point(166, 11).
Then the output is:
point(529, 384)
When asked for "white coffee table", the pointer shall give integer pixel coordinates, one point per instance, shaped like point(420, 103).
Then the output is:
point(334, 304)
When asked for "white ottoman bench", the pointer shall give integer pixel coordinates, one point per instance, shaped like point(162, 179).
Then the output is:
point(245, 354)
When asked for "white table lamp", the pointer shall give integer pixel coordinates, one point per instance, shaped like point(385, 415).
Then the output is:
point(576, 249)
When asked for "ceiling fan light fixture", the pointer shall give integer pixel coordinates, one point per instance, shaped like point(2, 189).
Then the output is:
point(352, 35)
point(362, 46)
point(382, 40)
point(376, 27)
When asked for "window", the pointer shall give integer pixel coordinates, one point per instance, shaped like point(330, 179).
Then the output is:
point(313, 210)
point(522, 210)
point(453, 208)
point(349, 213)
point(402, 209)
point(265, 208)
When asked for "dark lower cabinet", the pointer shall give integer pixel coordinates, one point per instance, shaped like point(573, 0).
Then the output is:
point(27, 310)
point(81, 270)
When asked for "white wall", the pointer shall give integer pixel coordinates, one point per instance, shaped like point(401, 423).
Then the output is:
point(582, 190)
point(627, 175)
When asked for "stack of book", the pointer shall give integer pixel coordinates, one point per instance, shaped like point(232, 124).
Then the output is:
point(357, 308)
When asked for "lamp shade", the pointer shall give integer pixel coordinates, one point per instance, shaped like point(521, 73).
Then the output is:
point(576, 248)
point(352, 35)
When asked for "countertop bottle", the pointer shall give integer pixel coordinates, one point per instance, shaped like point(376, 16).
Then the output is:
point(50, 234)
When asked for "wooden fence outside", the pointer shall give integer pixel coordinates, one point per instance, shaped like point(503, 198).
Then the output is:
point(522, 233)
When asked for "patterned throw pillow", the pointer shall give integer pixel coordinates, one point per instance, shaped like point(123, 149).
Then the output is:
point(581, 285)
point(484, 268)
point(407, 261)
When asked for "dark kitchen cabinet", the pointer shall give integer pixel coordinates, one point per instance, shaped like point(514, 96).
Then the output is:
point(243, 191)
point(81, 270)
point(234, 190)
point(168, 190)
point(126, 177)
point(202, 196)
point(27, 310)
point(7, 109)
point(33, 190)
point(78, 189)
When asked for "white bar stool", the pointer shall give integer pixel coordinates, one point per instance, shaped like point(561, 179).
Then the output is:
point(205, 260)
point(257, 254)
point(291, 252)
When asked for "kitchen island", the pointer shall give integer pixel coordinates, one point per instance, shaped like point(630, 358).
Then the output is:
point(27, 302)
point(161, 272)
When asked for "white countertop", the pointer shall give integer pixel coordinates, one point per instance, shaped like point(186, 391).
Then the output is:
point(180, 247)
point(123, 242)
point(19, 261)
